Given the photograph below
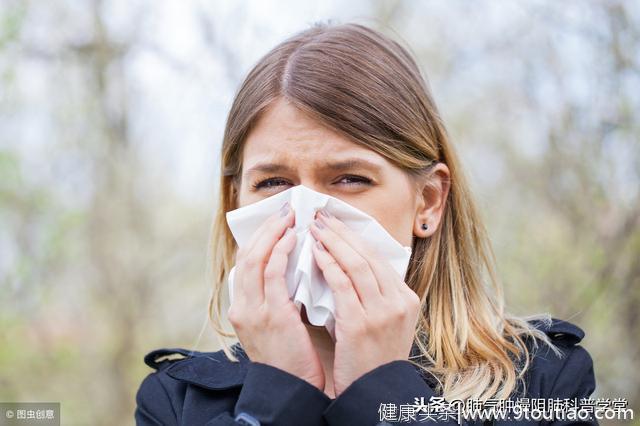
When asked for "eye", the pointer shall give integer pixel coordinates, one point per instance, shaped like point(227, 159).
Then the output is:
point(349, 180)
point(268, 183)
point(356, 180)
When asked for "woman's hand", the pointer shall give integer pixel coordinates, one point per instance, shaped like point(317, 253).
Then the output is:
point(267, 322)
point(376, 312)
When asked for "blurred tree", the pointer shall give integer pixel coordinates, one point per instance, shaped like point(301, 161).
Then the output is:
point(96, 270)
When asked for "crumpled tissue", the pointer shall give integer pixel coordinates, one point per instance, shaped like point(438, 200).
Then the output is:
point(305, 281)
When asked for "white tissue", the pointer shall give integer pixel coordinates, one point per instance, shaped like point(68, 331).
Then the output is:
point(305, 282)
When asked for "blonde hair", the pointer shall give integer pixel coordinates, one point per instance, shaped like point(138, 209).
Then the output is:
point(367, 87)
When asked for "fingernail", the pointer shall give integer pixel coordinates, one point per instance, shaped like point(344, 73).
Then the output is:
point(319, 245)
point(325, 213)
point(284, 209)
point(318, 224)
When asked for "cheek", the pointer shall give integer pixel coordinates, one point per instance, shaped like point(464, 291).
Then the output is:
point(395, 212)
point(245, 197)
point(399, 223)
point(396, 217)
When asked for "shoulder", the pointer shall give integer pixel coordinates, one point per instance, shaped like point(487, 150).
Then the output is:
point(565, 371)
point(561, 331)
point(173, 365)
point(211, 370)
point(161, 394)
point(160, 359)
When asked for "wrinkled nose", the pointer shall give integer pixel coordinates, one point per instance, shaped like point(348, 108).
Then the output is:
point(311, 185)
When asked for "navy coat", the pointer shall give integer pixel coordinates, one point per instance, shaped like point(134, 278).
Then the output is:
point(205, 388)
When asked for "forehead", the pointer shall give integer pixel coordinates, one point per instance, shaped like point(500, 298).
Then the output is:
point(288, 135)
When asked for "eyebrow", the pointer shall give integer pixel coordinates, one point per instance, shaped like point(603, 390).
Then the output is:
point(350, 163)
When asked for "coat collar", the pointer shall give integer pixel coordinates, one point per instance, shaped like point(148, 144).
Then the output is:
point(213, 370)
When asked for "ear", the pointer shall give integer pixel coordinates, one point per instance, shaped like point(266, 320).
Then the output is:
point(431, 201)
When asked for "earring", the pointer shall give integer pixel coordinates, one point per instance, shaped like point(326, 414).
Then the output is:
point(425, 226)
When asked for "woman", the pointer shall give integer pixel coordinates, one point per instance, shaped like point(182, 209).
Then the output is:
point(344, 110)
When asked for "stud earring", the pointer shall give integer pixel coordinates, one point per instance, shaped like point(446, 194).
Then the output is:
point(425, 226)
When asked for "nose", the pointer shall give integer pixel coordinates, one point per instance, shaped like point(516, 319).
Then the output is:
point(309, 184)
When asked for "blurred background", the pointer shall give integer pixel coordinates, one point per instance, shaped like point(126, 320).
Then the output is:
point(111, 119)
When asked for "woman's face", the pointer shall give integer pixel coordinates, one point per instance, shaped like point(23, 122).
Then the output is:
point(287, 148)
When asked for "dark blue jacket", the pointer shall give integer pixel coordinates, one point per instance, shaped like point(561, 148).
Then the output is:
point(205, 388)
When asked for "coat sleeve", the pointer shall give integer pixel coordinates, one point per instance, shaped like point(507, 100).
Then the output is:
point(275, 397)
point(393, 384)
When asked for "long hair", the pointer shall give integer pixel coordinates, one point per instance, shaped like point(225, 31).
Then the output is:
point(367, 87)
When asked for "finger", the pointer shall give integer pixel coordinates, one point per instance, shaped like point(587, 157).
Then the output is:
point(354, 265)
point(389, 281)
point(263, 227)
point(253, 261)
point(344, 295)
point(275, 287)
